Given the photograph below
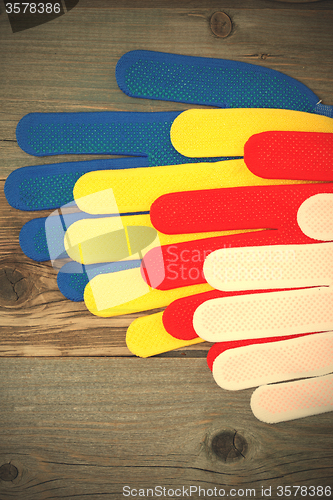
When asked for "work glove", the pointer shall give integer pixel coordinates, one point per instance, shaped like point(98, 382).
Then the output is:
point(242, 208)
point(96, 193)
point(38, 246)
point(284, 241)
point(261, 334)
point(145, 134)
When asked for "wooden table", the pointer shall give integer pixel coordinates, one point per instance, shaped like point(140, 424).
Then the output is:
point(80, 416)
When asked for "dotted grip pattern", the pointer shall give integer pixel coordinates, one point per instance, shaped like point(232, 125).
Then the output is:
point(229, 84)
point(255, 207)
point(266, 363)
point(302, 398)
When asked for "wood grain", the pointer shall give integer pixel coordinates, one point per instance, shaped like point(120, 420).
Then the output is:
point(86, 428)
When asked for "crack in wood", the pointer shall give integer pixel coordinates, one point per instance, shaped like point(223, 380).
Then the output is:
point(13, 284)
point(236, 447)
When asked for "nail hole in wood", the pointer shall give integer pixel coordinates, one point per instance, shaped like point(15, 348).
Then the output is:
point(229, 446)
point(8, 472)
point(220, 24)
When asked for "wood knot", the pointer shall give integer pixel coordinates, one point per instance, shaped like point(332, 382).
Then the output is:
point(229, 445)
point(14, 286)
point(220, 24)
point(8, 472)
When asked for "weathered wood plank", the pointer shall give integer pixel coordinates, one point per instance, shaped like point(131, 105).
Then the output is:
point(78, 428)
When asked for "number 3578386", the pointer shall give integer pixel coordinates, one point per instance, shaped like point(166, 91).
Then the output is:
point(33, 8)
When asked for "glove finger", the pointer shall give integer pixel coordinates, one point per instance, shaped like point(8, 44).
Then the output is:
point(146, 337)
point(290, 155)
point(274, 313)
point(134, 190)
point(275, 266)
point(266, 363)
point(220, 347)
point(110, 239)
point(291, 400)
point(144, 328)
point(178, 316)
point(106, 132)
point(242, 207)
point(224, 132)
point(125, 292)
point(208, 81)
point(46, 187)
